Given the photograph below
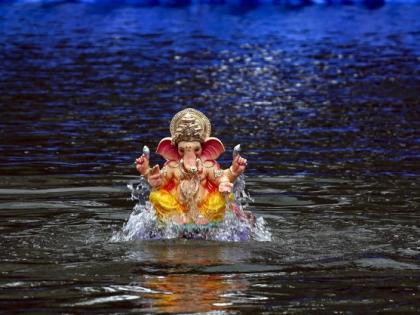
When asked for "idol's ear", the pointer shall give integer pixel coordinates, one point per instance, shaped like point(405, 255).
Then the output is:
point(167, 149)
point(212, 148)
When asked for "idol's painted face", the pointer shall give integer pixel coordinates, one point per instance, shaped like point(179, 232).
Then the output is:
point(189, 151)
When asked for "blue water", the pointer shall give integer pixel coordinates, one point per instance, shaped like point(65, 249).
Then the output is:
point(323, 98)
point(238, 3)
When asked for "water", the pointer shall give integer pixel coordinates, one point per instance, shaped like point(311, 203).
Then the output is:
point(323, 99)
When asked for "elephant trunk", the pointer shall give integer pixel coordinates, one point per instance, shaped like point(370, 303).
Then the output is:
point(191, 162)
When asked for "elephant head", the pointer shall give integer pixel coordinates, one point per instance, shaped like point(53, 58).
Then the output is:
point(190, 141)
point(191, 153)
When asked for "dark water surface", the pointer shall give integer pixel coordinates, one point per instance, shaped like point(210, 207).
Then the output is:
point(323, 99)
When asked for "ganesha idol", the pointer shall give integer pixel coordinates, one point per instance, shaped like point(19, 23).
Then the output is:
point(191, 187)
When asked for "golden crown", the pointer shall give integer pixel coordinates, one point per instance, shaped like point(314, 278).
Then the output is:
point(190, 125)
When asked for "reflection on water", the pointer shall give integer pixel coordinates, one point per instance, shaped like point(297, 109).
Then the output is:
point(323, 99)
point(172, 291)
point(202, 292)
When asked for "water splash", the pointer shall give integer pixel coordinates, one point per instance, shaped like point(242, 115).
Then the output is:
point(144, 225)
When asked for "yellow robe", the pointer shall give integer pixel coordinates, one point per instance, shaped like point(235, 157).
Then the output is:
point(166, 205)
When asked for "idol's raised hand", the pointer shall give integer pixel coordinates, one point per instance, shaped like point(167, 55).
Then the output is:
point(142, 163)
point(154, 177)
point(238, 163)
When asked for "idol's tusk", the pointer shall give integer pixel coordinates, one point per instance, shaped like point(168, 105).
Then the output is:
point(146, 152)
point(236, 150)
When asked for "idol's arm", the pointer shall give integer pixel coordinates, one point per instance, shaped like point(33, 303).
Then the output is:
point(218, 178)
point(142, 165)
point(236, 169)
point(224, 179)
point(154, 176)
point(158, 178)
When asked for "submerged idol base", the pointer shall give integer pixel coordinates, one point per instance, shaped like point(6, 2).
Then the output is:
point(144, 222)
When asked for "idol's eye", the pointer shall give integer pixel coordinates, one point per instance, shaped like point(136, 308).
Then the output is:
point(181, 150)
point(196, 149)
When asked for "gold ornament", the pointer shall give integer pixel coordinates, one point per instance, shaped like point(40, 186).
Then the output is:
point(190, 125)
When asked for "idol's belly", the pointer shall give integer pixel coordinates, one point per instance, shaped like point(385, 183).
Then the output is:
point(198, 198)
point(206, 205)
